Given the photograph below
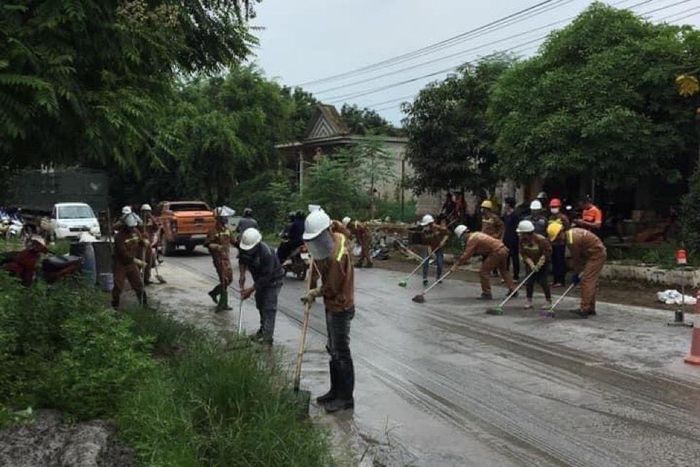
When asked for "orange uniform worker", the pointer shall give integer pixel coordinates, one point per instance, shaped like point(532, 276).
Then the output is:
point(491, 224)
point(127, 246)
point(588, 256)
point(150, 229)
point(591, 217)
point(219, 244)
point(363, 236)
point(495, 253)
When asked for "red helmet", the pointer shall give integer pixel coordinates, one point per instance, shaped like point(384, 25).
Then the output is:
point(555, 203)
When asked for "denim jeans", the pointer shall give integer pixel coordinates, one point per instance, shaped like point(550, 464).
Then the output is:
point(439, 262)
point(338, 328)
point(266, 303)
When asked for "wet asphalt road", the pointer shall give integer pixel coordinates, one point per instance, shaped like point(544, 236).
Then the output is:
point(442, 383)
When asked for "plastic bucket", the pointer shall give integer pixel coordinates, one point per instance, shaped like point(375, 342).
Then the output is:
point(87, 253)
point(106, 281)
point(103, 257)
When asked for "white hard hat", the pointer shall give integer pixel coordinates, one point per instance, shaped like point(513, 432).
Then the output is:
point(126, 210)
point(316, 223)
point(461, 230)
point(146, 207)
point(535, 205)
point(427, 219)
point(542, 195)
point(346, 220)
point(224, 211)
point(250, 238)
point(314, 207)
point(131, 220)
point(525, 227)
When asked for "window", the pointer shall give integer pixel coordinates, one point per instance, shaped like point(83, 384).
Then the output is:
point(75, 212)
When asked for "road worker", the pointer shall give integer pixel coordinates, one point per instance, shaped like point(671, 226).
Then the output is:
point(150, 230)
point(535, 251)
point(127, 245)
point(435, 235)
point(588, 256)
point(510, 236)
point(262, 262)
point(591, 217)
point(333, 265)
point(495, 257)
point(556, 216)
point(491, 224)
point(22, 265)
point(537, 217)
point(363, 236)
point(218, 242)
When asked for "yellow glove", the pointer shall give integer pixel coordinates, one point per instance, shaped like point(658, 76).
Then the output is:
point(146, 243)
point(539, 264)
point(530, 264)
point(311, 296)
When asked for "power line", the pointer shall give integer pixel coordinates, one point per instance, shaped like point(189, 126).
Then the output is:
point(647, 13)
point(440, 44)
point(679, 13)
point(685, 17)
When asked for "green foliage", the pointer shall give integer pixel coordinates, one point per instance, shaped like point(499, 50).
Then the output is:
point(449, 142)
point(599, 99)
point(332, 184)
point(85, 79)
point(367, 122)
point(690, 215)
point(61, 348)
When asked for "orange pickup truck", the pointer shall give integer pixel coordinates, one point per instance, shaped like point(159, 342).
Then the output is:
point(185, 223)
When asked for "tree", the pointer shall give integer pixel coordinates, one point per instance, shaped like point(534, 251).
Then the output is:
point(367, 122)
point(331, 184)
point(85, 79)
point(449, 142)
point(599, 99)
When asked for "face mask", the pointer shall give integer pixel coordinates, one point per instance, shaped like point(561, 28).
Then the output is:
point(554, 210)
point(321, 247)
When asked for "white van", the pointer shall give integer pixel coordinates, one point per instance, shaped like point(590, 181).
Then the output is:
point(70, 220)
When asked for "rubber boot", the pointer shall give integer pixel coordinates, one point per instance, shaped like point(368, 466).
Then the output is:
point(215, 292)
point(330, 395)
point(142, 298)
point(223, 302)
point(346, 386)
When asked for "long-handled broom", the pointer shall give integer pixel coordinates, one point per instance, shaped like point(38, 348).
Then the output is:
point(404, 282)
point(550, 313)
point(303, 397)
point(498, 310)
point(420, 298)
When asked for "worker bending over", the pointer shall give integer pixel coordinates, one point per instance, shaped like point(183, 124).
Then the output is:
point(588, 256)
point(363, 236)
point(535, 252)
point(495, 257)
point(333, 265)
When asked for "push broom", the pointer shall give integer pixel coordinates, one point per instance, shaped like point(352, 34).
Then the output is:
point(550, 313)
point(302, 397)
point(404, 282)
point(498, 310)
point(420, 298)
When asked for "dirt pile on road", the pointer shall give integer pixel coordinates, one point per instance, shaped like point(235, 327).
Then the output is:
point(49, 441)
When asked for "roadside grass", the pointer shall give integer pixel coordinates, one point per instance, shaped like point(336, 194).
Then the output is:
point(178, 395)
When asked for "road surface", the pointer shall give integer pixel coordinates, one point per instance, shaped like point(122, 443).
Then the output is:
point(442, 383)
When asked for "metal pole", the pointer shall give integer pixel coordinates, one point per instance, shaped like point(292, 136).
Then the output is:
point(301, 171)
point(402, 188)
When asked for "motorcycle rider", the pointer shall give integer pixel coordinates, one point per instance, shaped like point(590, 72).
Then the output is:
point(23, 264)
point(219, 244)
point(291, 236)
point(259, 258)
point(127, 244)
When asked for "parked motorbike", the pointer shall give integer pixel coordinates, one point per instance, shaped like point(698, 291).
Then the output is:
point(55, 268)
point(297, 263)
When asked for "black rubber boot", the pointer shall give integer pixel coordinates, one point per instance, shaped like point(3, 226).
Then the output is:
point(346, 386)
point(214, 293)
point(485, 296)
point(223, 302)
point(330, 395)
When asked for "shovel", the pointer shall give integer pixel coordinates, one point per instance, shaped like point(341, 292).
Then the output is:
point(420, 298)
point(302, 398)
point(550, 313)
point(498, 310)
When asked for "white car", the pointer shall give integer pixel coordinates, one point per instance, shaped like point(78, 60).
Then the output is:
point(70, 220)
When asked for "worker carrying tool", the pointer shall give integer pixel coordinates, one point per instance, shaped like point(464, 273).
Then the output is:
point(495, 257)
point(218, 242)
point(127, 244)
point(363, 235)
point(588, 256)
point(150, 230)
point(535, 252)
point(556, 216)
point(334, 267)
point(591, 217)
point(435, 235)
point(491, 224)
point(260, 259)
point(537, 217)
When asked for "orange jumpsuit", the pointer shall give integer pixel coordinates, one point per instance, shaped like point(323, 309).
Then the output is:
point(149, 230)
point(127, 245)
point(221, 236)
point(588, 256)
point(495, 253)
point(364, 237)
point(492, 225)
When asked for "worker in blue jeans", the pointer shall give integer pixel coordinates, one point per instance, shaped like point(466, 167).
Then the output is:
point(435, 235)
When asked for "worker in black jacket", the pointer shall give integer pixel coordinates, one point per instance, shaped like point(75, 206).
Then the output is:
point(262, 262)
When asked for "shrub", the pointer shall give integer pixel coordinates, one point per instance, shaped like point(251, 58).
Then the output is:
point(690, 215)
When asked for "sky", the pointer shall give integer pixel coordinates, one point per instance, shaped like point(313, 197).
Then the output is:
point(304, 41)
